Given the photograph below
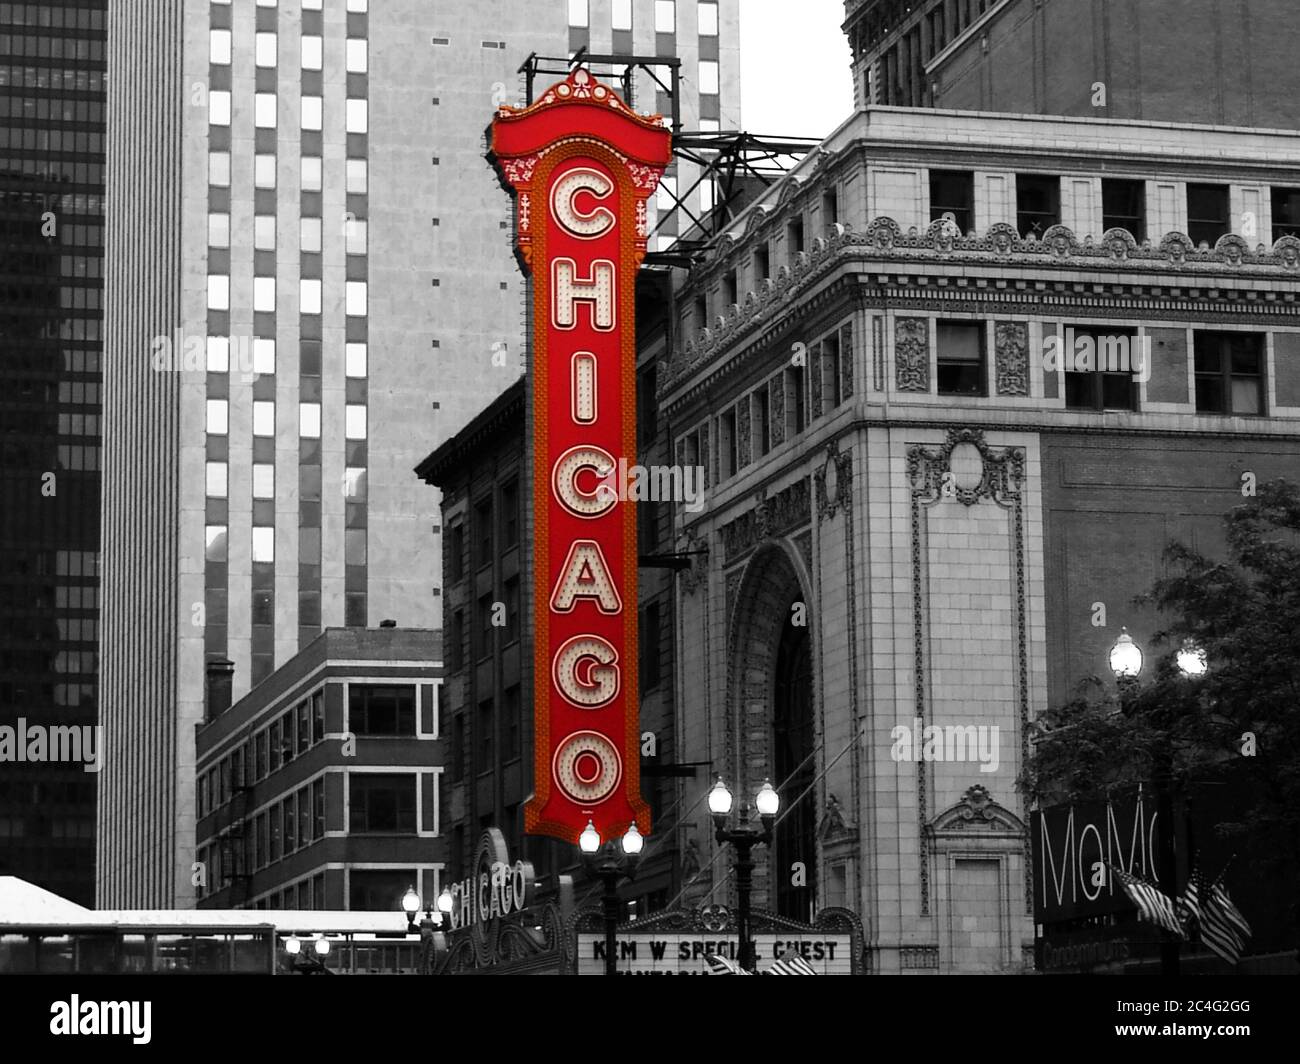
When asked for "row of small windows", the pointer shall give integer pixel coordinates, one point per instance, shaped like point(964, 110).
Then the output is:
point(305, 895)
point(77, 630)
point(61, 171)
point(665, 15)
point(1228, 368)
point(356, 112)
point(79, 425)
point(282, 829)
point(485, 531)
point(291, 734)
point(52, 16)
point(262, 544)
point(76, 597)
point(51, 109)
point(40, 46)
point(264, 172)
point(58, 79)
point(265, 51)
point(262, 354)
point(1123, 206)
point(353, 6)
point(309, 295)
point(780, 408)
point(309, 419)
point(79, 393)
point(355, 233)
point(16, 138)
point(78, 458)
point(263, 481)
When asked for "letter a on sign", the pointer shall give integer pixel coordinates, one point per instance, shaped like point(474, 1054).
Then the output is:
point(581, 165)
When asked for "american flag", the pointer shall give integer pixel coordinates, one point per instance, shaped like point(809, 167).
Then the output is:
point(790, 964)
point(1223, 928)
point(1153, 904)
point(721, 966)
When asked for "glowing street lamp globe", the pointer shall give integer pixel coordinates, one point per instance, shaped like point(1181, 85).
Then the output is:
point(589, 840)
point(293, 945)
point(1191, 661)
point(767, 801)
point(633, 840)
point(410, 902)
point(322, 945)
point(720, 799)
point(1125, 656)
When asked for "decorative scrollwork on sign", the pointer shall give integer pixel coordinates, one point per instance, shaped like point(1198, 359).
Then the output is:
point(1011, 356)
point(912, 354)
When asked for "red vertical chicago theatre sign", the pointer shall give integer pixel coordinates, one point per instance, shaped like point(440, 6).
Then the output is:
point(581, 165)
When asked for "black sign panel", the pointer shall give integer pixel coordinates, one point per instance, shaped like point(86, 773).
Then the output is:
point(1074, 847)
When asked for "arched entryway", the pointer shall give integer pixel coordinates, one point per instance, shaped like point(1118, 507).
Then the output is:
point(771, 725)
point(794, 766)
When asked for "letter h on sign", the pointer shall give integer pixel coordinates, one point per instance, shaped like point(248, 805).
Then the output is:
point(581, 165)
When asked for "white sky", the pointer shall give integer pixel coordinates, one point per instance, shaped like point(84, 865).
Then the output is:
point(795, 79)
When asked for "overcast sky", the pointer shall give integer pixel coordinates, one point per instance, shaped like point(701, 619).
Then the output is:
point(794, 67)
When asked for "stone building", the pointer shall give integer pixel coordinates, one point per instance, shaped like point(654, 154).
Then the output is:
point(1168, 60)
point(927, 509)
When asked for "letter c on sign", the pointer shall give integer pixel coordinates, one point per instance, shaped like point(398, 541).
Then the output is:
point(585, 670)
point(564, 480)
point(585, 225)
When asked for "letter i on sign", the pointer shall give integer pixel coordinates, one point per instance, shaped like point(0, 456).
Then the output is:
point(581, 166)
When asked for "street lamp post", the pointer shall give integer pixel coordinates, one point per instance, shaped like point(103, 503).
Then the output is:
point(1126, 663)
point(744, 838)
point(308, 961)
point(609, 862)
point(432, 937)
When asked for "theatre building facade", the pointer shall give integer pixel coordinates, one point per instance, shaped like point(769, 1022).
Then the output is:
point(956, 381)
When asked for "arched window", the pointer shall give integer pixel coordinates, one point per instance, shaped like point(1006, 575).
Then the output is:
point(794, 768)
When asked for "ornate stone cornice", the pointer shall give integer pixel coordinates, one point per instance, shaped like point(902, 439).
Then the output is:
point(940, 244)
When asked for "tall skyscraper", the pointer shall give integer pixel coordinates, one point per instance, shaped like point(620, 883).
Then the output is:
point(52, 216)
point(310, 285)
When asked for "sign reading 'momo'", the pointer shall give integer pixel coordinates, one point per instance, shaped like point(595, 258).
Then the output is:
point(582, 164)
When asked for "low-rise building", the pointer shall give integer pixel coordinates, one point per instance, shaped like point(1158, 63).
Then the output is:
point(319, 789)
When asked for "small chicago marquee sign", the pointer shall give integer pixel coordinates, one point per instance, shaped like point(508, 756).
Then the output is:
point(581, 165)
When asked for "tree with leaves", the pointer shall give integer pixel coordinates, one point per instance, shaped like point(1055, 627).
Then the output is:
point(1236, 727)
